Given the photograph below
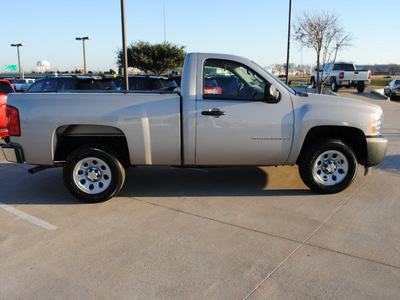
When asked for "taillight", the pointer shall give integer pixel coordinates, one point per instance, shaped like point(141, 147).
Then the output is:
point(369, 75)
point(341, 75)
point(12, 117)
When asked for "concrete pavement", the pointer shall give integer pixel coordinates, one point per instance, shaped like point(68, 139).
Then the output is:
point(230, 233)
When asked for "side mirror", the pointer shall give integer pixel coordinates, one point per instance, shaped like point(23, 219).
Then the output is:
point(271, 94)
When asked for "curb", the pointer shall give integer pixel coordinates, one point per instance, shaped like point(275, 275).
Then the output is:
point(379, 94)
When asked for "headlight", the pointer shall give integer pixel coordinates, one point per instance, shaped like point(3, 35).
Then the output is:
point(376, 127)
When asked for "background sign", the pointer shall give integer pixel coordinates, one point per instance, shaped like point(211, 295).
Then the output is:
point(10, 68)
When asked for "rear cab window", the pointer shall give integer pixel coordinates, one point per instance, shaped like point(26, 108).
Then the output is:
point(5, 88)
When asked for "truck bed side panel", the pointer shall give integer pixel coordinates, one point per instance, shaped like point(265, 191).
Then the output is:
point(149, 121)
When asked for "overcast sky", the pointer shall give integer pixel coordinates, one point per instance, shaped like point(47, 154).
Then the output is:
point(256, 29)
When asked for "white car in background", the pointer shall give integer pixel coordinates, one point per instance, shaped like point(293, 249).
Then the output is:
point(23, 84)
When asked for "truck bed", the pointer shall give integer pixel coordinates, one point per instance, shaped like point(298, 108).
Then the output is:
point(150, 123)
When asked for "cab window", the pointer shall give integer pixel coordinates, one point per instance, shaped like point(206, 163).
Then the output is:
point(224, 79)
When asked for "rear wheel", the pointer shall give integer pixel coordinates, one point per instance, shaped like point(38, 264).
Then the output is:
point(328, 166)
point(334, 86)
point(93, 175)
point(360, 89)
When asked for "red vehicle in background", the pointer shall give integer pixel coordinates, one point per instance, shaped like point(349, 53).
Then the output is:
point(5, 89)
point(211, 86)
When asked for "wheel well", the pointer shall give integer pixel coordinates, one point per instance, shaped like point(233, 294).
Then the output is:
point(353, 137)
point(69, 138)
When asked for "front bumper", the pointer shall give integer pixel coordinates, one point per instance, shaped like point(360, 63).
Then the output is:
point(376, 150)
point(13, 153)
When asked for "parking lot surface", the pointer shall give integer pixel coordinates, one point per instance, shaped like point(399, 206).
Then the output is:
point(228, 233)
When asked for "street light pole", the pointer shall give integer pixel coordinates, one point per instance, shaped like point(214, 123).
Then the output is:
point(84, 51)
point(21, 75)
point(288, 42)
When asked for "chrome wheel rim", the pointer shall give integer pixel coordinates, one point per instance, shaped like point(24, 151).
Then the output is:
point(92, 175)
point(330, 168)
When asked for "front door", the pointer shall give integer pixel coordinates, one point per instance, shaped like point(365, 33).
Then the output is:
point(234, 125)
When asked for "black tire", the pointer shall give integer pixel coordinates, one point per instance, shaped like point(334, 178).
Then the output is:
point(360, 89)
point(391, 96)
point(92, 174)
point(328, 166)
point(334, 86)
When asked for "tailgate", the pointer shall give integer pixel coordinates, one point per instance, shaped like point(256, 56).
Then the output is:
point(356, 75)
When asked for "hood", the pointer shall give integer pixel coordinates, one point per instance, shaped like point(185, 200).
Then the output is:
point(340, 104)
point(327, 110)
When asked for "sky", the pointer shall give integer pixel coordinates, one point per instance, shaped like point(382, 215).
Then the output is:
point(256, 29)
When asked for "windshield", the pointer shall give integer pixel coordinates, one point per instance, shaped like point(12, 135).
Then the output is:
point(283, 85)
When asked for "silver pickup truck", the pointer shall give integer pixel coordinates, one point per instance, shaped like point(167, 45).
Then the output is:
point(341, 74)
point(229, 112)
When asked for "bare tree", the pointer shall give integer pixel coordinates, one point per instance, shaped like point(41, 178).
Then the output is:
point(280, 68)
point(323, 33)
point(393, 69)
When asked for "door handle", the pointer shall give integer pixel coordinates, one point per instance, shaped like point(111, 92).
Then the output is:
point(213, 112)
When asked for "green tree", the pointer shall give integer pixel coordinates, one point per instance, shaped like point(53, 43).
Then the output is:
point(155, 59)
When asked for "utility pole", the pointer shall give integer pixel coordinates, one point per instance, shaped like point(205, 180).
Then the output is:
point(165, 27)
point(124, 50)
point(288, 42)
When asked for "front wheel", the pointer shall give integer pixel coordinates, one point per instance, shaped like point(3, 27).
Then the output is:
point(328, 166)
point(93, 175)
